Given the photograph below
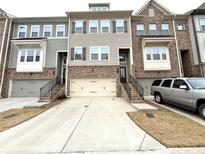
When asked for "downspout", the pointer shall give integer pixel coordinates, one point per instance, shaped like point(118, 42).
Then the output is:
point(177, 46)
point(197, 46)
point(5, 58)
point(3, 40)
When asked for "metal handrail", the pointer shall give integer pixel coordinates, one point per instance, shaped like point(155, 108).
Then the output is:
point(135, 83)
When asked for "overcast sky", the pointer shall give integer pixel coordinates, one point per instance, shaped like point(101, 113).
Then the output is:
point(26, 8)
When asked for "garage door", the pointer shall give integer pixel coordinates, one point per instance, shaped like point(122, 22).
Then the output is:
point(93, 87)
point(27, 88)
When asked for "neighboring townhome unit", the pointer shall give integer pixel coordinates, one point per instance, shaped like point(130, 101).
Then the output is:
point(38, 56)
point(197, 33)
point(161, 45)
point(5, 29)
point(96, 40)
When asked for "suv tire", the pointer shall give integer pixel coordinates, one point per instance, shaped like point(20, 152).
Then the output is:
point(202, 111)
point(158, 98)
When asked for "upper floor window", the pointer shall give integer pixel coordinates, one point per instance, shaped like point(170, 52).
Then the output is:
point(104, 53)
point(22, 30)
point(120, 26)
point(151, 13)
point(181, 26)
point(78, 53)
point(165, 29)
point(30, 55)
point(94, 53)
point(202, 24)
point(140, 29)
point(156, 53)
point(105, 26)
point(47, 31)
point(79, 26)
point(99, 53)
point(93, 26)
point(35, 30)
point(103, 8)
point(60, 30)
point(152, 29)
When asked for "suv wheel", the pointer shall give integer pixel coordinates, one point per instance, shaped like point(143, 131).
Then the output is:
point(158, 98)
point(202, 111)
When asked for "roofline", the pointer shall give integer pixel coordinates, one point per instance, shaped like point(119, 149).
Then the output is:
point(99, 12)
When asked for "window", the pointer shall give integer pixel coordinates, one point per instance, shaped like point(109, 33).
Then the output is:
point(105, 26)
point(151, 13)
point(165, 29)
point(156, 53)
point(166, 83)
point(202, 24)
point(30, 55)
point(164, 54)
point(119, 25)
point(148, 55)
point(35, 30)
point(104, 8)
point(94, 53)
point(178, 83)
point(104, 53)
point(152, 29)
point(180, 26)
point(78, 52)
point(140, 29)
point(122, 58)
point(93, 26)
point(22, 30)
point(156, 82)
point(60, 30)
point(27, 55)
point(23, 56)
point(47, 31)
point(78, 26)
point(99, 53)
point(38, 52)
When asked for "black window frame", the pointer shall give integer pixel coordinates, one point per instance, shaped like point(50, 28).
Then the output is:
point(179, 85)
point(169, 84)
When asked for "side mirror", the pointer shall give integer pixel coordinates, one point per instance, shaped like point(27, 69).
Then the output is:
point(184, 87)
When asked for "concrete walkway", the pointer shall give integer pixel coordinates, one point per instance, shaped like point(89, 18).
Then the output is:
point(80, 125)
point(18, 103)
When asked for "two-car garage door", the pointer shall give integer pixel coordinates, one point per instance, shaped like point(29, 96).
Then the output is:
point(93, 87)
point(27, 88)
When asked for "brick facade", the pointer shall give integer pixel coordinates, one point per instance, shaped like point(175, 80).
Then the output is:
point(94, 72)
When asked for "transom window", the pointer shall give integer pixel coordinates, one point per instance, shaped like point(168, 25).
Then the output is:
point(181, 26)
point(140, 29)
point(202, 24)
point(22, 30)
point(120, 26)
point(47, 31)
point(93, 26)
point(30, 55)
point(99, 53)
point(79, 26)
point(152, 29)
point(35, 30)
point(60, 30)
point(165, 29)
point(78, 53)
point(105, 26)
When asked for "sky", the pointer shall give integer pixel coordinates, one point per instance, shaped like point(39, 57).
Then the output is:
point(38, 8)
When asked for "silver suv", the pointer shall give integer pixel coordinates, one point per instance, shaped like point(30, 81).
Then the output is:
point(188, 93)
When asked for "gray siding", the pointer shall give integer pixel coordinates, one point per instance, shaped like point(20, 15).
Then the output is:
point(146, 83)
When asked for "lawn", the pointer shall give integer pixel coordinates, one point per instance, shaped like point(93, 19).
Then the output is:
point(170, 129)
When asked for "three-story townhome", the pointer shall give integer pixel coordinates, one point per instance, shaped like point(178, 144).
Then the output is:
point(97, 38)
point(38, 55)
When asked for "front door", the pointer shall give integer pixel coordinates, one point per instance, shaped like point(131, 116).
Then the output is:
point(123, 75)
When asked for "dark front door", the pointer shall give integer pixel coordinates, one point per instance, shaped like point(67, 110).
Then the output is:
point(123, 78)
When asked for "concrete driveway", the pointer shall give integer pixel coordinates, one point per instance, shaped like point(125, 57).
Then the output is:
point(16, 103)
point(80, 125)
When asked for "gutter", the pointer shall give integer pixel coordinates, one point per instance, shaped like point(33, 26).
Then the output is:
point(197, 46)
point(177, 47)
point(5, 58)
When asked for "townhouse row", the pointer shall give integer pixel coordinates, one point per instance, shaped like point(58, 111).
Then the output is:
point(95, 52)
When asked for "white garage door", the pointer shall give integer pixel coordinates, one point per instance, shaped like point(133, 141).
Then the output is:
point(93, 87)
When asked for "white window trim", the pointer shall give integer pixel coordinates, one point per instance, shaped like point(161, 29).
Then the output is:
point(123, 24)
point(58, 25)
point(44, 28)
point(102, 27)
point(38, 30)
point(26, 27)
point(99, 53)
point(200, 24)
point(97, 26)
point(74, 53)
point(76, 27)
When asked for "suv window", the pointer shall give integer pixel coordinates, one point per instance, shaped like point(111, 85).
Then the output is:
point(156, 82)
point(166, 83)
point(178, 83)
